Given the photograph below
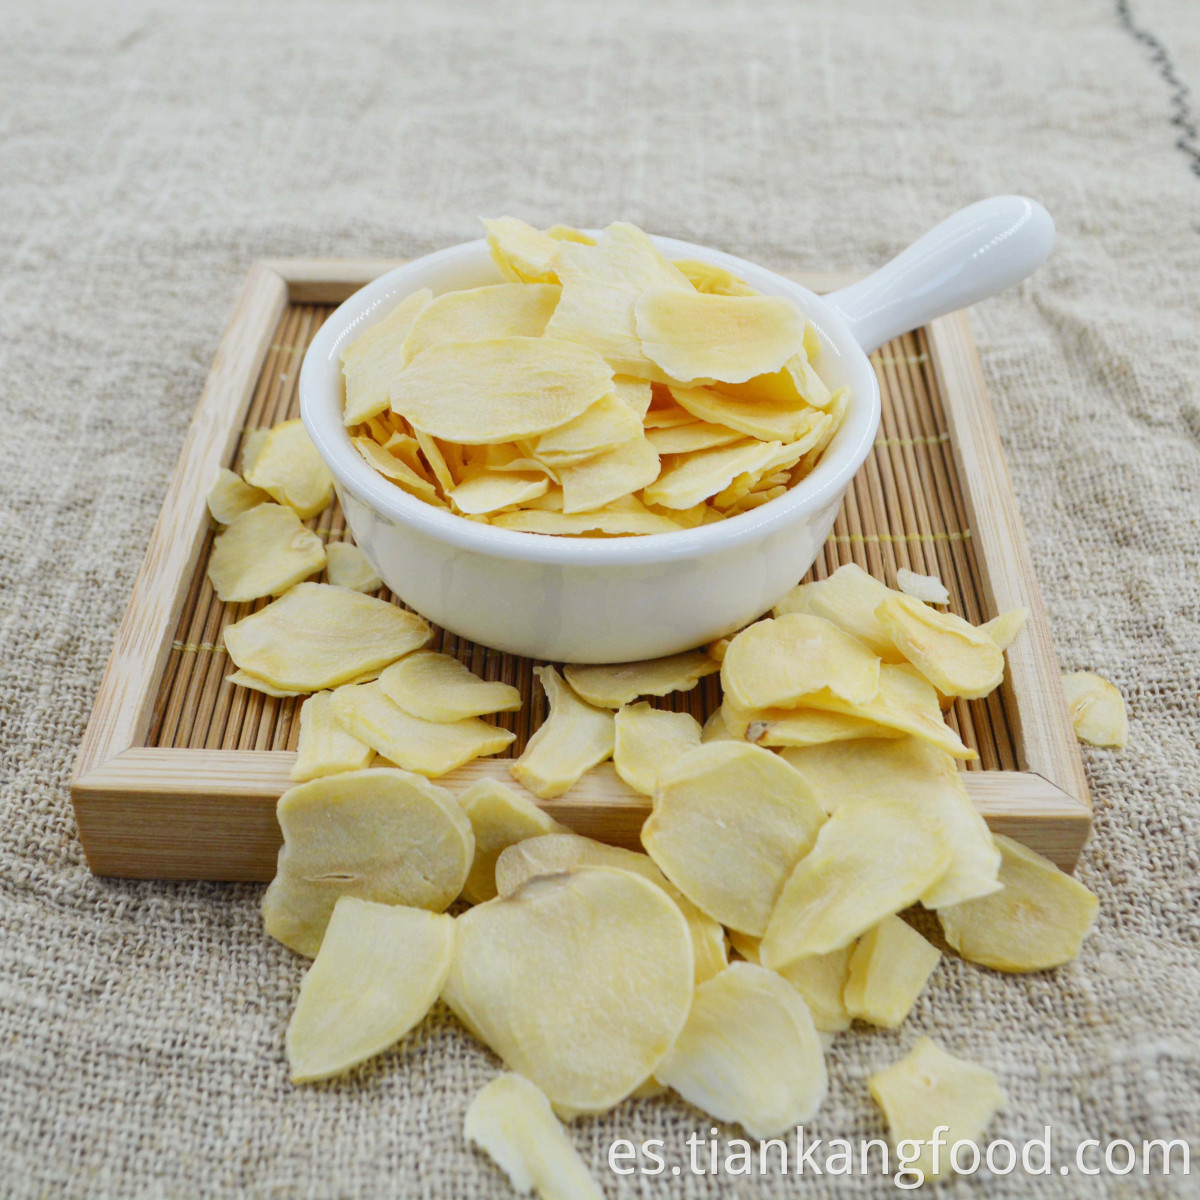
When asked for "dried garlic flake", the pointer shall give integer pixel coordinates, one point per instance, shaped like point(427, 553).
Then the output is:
point(437, 687)
point(230, 496)
point(572, 739)
point(888, 971)
point(291, 471)
point(698, 335)
point(929, 1089)
point(1097, 709)
point(318, 636)
point(612, 685)
point(605, 947)
point(263, 552)
point(347, 566)
point(778, 662)
point(378, 972)
point(511, 1120)
point(730, 822)
point(749, 1053)
point(325, 748)
point(648, 740)
point(500, 818)
point(928, 588)
point(380, 834)
point(429, 748)
point(499, 390)
point(1037, 920)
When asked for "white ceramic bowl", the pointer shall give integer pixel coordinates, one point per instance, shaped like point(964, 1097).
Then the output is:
point(620, 599)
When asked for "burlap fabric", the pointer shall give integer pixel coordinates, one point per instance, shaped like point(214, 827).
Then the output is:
point(151, 152)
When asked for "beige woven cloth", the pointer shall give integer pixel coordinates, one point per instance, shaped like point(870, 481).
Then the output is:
point(150, 152)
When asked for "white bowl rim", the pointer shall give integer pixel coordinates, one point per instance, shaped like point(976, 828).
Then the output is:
point(825, 484)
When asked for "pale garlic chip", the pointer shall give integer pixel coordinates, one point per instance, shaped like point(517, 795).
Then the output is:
point(716, 650)
point(572, 739)
point(610, 475)
point(905, 702)
point(848, 598)
point(500, 817)
point(380, 834)
point(780, 661)
point(812, 342)
point(636, 394)
point(1003, 629)
point(392, 467)
point(716, 730)
point(928, 1090)
point(730, 822)
point(957, 658)
point(648, 740)
point(512, 1122)
point(522, 253)
point(687, 439)
point(317, 636)
point(230, 496)
point(247, 680)
point(378, 971)
point(407, 449)
point(710, 951)
point(437, 687)
point(666, 415)
point(477, 314)
point(810, 727)
point(749, 1053)
point(567, 851)
point(429, 748)
point(765, 420)
point(252, 445)
point(697, 335)
point(928, 588)
point(687, 479)
point(435, 458)
point(263, 552)
point(609, 423)
point(819, 978)
point(601, 287)
point(347, 566)
point(325, 748)
point(498, 390)
point(872, 857)
point(611, 685)
point(919, 773)
point(564, 850)
point(1097, 709)
point(794, 385)
point(568, 233)
point(290, 470)
point(889, 969)
point(376, 356)
point(494, 491)
point(1037, 920)
point(606, 947)
point(708, 277)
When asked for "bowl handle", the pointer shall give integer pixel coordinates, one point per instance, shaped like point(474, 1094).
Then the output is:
point(981, 250)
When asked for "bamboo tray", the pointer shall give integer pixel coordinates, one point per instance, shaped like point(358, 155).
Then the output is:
point(179, 771)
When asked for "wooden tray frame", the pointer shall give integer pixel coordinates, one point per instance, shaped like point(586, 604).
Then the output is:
point(151, 812)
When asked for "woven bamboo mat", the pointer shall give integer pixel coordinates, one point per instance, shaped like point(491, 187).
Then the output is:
point(905, 509)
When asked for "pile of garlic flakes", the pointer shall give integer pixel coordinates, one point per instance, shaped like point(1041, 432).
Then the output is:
point(761, 918)
point(785, 838)
point(604, 391)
